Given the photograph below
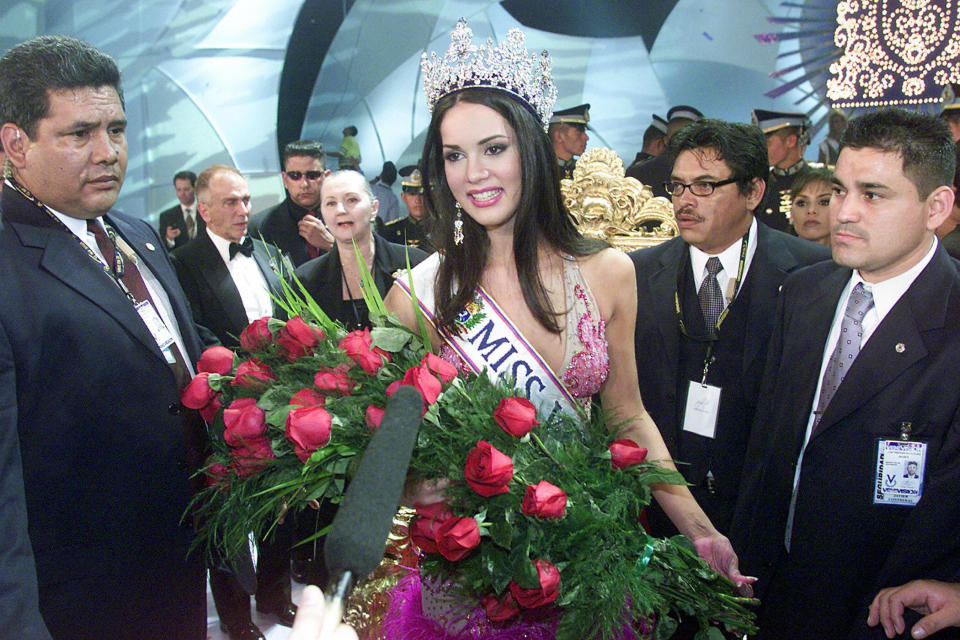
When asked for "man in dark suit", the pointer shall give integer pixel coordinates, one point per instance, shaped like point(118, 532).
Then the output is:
point(861, 376)
point(294, 226)
point(655, 171)
point(229, 279)
point(683, 355)
point(787, 134)
point(96, 341)
point(181, 223)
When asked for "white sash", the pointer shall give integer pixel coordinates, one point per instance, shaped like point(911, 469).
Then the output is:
point(490, 342)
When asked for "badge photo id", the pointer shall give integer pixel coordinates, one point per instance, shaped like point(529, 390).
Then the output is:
point(899, 473)
point(703, 406)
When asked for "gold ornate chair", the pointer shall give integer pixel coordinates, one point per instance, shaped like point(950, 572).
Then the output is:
point(608, 205)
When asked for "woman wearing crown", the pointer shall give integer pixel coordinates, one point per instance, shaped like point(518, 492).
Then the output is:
point(514, 288)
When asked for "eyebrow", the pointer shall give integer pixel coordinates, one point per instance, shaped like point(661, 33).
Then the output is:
point(863, 186)
point(703, 177)
point(484, 141)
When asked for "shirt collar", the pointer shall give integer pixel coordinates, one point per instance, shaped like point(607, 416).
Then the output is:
point(77, 226)
point(887, 293)
point(729, 257)
point(222, 245)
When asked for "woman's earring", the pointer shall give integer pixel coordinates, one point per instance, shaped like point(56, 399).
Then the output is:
point(458, 226)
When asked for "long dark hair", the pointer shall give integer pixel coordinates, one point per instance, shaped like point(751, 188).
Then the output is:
point(540, 214)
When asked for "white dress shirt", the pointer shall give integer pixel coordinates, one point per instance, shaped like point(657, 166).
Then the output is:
point(730, 259)
point(248, 278)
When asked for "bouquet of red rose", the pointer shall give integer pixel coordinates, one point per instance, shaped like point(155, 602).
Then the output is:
point(541, 511)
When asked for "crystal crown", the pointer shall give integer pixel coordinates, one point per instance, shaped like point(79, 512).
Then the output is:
point(507, 66)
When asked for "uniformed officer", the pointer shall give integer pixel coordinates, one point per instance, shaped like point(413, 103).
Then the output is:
point(951, 108)
point(654, 140)
point(787, 134)
point(568, 132)
point(411, 230)
point(655, 172)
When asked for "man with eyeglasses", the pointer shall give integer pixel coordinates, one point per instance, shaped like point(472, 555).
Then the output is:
point(293, 225)
point(707, 306)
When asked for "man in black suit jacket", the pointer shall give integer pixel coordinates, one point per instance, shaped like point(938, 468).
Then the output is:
point(674, 348)
point(181, 223)
point(229, 280)
point(95, 449)
point(820, 519)
point(653, 172)
point(294, 226)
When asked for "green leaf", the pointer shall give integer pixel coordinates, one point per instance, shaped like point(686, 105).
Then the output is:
point(502, 533)
point(390, 338)
point(278, 417)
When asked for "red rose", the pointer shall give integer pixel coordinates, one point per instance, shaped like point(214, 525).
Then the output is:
point(374, 416)
point(307, 397)
point(500, 609)
point(517, 416)
point(544, 500)
point(216, 360)
point(256, 335)
point(359, 347)
point(549, 587)
point(393, 386)
point(457, 537)
point(422, 380)
point(216, 473)
point(488, 471)
point(209, 412)
point(253, 374)
point(309, 429)
point(439, 367)
point(198, 394)
point(626, 453)
point(332, 380)
point(423, 528)
point(252, 457)
point(297, 338)
point(244, 421)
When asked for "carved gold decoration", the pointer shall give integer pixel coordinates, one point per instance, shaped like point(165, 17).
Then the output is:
point(607, 205)
point(895, 52)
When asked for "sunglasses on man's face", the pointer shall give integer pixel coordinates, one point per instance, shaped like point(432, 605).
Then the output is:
point(296, 175)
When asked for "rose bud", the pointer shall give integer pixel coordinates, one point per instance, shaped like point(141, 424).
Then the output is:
point(426, 383)
point(307, 397)
point(488, 471)
point(244, 421)
point(457, 537)
point(256, 335)
point(517, 416)
point(216, 473)
point(309, 429)
point(216, 360)
point(333, 381)
point(439, 367)
point(253, 374)
point(374, 416)
point(359, 347)
point(392, 387)
point(626, 453)
point(549, 589)
point(251, 458)
point(297, 338)
point(500, 609)
point(423, 528)
point(198, 394)
point(209, 412)
point(544, 500)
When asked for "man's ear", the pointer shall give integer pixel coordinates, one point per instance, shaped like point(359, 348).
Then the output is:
point(15, 143)
point(939, 206)
point(755, 195)
point(203, 210)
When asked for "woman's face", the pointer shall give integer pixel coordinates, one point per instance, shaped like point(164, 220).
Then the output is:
point(346, 206)
point(482, 164)
point(811, 212)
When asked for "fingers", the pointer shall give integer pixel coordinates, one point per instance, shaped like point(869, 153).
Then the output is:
point(309, 620)
point(932, 623)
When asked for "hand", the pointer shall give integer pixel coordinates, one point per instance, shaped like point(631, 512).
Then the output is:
point(716, 550)
point(309, 621)
point(315, 232)
point(938, 601)
point(424, 492)
point(172, 232)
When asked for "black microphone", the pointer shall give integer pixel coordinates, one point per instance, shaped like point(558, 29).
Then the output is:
point(357, 538)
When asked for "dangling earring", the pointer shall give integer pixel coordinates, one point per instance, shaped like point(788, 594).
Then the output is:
point(458, 227)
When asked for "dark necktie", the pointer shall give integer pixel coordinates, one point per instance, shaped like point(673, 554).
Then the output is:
point(191, 223)
point(138, 289)
point(245, 247)
point(312, 251)
point(711, 300)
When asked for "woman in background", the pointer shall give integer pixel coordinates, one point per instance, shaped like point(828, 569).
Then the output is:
point(810, 212)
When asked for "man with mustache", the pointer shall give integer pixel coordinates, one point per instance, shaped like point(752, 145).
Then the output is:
point(707, 305)
point(861, 376)
point(96, 345)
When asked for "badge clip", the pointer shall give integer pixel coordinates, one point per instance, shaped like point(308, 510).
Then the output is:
point(905, 429)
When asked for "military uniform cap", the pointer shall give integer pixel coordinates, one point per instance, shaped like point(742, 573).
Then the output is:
point(579, 115)
point(683, 112)
point(951, 98)
point(659, 124)
point(411, 179)
point(770, 121)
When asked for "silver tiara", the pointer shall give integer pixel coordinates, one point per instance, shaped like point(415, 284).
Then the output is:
point(508, 67)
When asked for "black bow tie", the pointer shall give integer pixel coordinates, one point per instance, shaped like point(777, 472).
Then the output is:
point(245, 247)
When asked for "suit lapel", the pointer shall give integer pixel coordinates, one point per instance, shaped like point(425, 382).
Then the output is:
point(769, 267)
point(662, 286)
point(214, 272)
point(262, 255)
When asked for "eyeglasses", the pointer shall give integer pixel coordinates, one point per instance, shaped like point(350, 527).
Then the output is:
point(296, 175)
point(698, 188)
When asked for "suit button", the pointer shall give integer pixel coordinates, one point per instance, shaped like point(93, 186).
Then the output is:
point(174, 408)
